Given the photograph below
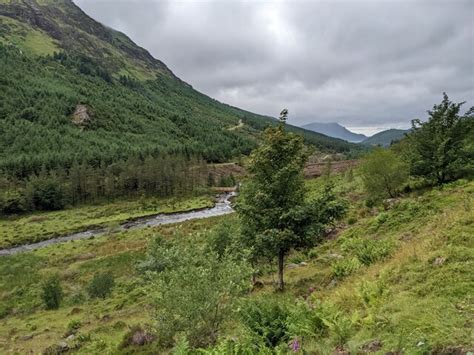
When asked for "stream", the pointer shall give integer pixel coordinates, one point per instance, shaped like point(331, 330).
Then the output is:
point(223, 206)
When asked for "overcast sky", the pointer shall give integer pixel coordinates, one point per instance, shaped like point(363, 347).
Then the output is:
point(368, 65)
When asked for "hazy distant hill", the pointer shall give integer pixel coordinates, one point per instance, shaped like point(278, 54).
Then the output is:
point(334, 129)
point(385, 138)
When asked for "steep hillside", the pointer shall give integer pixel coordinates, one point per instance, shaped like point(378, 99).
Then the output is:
point(385, 138)
point(335, 130)
point(75, 90)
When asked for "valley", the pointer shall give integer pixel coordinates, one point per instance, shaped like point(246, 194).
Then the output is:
point(139, 215)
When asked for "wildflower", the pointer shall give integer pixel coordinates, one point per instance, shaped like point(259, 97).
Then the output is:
point(295, 345)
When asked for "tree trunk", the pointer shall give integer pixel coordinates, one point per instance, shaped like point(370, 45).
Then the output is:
point(281, 258)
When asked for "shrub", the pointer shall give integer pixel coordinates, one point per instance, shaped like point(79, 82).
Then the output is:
point(221, 240)
point(383, 174)
point(267, 320)
point(52, 292)
point(345, 267)
point(196, 290)
point(101, 285)
point(12, 202)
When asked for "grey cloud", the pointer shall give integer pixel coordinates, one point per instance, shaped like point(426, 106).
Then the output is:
point(361, 63)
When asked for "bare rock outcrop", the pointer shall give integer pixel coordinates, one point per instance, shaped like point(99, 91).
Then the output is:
point(82, 115)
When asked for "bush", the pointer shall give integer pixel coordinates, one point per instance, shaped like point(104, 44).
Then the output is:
point(101, 285)
point(52, 292)
point(267, 320)
point(196, 290)
point(345, 267)
point(383, 174)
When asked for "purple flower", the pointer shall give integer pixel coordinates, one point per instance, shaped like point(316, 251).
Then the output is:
point(295, 345)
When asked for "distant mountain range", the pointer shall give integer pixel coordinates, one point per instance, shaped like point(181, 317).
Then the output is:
point(334, 129)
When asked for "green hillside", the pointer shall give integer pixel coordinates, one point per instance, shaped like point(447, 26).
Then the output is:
point(54, 57)
point(385, 138)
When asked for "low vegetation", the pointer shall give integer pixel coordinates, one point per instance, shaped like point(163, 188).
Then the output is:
point(424, 241)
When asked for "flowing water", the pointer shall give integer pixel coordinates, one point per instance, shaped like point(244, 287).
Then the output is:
point(222, 207)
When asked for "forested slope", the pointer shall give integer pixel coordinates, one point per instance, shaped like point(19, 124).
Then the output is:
point(54, 58)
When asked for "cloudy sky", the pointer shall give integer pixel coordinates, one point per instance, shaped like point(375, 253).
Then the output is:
point(368, 65)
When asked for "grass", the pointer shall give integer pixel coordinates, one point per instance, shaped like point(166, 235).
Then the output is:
point(41, 226)
point(412, 291)
point(30, 40)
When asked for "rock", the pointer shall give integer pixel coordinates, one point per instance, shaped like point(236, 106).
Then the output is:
point(439, 261)
point(137, 336)
point(291, 266)
point(81, 115)
point(372, 346)
point(70, 337)
point(26, 337)
point(141, 338)
point(335, 256)
point(303, 263)
point(63, 346)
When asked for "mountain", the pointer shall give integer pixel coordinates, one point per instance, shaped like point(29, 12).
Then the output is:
point(74, 90)
point(333, 129)
point(385, 138)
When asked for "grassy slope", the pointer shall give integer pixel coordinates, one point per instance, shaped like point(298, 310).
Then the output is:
point(41, 226)
point(402, 300)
